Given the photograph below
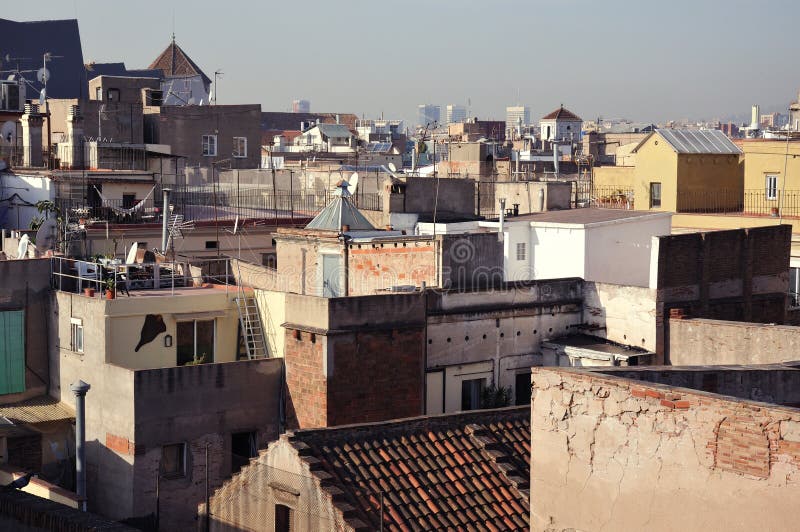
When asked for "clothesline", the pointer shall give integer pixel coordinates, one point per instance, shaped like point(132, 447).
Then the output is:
point(119, 210)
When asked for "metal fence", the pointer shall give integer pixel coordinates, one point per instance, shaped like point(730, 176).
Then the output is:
point(749, 202)
point(208, 203)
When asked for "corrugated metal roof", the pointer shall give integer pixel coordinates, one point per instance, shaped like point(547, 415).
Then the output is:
point(334, 130)
point(697, 141)
point(37, 410)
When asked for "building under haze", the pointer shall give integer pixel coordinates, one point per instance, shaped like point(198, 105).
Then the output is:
point(456, 113)
point(517, 116)
point(428, 113)
point(301, 106)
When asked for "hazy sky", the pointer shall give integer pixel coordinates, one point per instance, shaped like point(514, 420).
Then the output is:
point(646, 61)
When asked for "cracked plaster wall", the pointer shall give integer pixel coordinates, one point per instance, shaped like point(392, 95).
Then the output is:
point(616, 454)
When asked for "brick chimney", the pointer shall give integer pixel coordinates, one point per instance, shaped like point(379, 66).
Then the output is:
point(32, 136)
point(75, 136)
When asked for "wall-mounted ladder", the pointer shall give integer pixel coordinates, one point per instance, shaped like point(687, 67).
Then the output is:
point(252, 332)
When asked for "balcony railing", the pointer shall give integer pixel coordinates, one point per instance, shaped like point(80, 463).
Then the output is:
point(759, 202)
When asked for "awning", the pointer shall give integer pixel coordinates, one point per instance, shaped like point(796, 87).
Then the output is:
point(188, 316)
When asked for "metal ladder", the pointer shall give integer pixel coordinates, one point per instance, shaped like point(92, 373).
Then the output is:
point(252, 331)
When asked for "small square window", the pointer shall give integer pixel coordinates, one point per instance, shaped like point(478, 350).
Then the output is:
point(521, 251)
point(76, 335)
point(212, 244)
point(240, 147)
point(209, 145)
point(113, 95)
point(173, 460)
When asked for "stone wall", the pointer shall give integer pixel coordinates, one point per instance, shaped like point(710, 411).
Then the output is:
point(702, 341)
point(616, 454)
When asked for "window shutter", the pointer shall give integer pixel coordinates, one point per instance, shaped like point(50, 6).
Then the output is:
point(12, 352)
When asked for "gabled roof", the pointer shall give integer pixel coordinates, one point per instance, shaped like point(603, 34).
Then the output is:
point(119, 69)
point(465, 471)
point(562, 113)
point(174, 63)
point(695, 141)
point(27, 42)
point(340, 211)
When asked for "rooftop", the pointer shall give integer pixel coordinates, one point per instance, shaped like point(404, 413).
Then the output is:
point(562, 113)
point(585, 216)
point(695, 141)
point(460, 471)
point(174, 62)
point(42, 409)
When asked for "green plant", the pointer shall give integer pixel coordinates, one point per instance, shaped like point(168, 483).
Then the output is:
point(197, 361)
point(110, 284)
point(495, 397)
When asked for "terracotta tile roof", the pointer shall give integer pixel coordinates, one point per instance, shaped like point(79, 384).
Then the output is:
point(174, 62)
point(459, 471)
point(561, 114)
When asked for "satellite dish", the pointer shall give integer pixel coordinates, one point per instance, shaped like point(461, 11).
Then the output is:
point(352, 183)
point(47, 235)
point(131, 258)
point(8, 131)
point(392, 167)
point(22, 249)
point(43, 75)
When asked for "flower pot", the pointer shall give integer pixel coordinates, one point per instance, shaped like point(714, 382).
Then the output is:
point(109, 294)
point(774, 212)
point(88, 292)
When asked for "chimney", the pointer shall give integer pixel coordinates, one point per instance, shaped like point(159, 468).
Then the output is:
point(75, 136)
point(755, 118)
point(32, 136)
point(79, 389)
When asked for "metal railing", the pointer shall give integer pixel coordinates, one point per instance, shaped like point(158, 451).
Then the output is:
point(748, 202)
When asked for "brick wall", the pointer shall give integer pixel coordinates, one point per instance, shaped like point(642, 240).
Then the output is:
point(377, 375)
point(645, 456)
point(381, 265)
point(306, 398)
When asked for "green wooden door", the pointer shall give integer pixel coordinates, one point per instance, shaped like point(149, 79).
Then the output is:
point(12, 351)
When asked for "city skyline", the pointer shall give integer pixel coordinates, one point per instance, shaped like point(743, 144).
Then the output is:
point(658, 64)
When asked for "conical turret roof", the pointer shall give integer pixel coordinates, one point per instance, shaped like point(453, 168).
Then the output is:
point(339, 212)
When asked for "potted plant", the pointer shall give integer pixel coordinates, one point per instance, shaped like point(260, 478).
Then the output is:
point(88, 291)
point(774, 212)
point(110, 289)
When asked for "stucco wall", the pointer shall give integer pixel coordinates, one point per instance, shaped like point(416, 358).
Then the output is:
point(615, 454)
point(622, 314)
point(701, 341)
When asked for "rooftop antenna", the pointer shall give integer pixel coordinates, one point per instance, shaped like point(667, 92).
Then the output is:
point(213, 97)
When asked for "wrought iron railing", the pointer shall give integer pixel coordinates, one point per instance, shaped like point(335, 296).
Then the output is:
point(758, 202)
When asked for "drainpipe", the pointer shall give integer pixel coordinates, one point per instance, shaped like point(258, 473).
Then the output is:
point(500, 229)
point(164, 221)
point(79, 389)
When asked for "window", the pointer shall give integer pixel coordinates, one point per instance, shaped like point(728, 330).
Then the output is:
point(522, 388)
point(113, 95)
point(772, 187)
point(243, 448)
point(195, 342)
point(173, 460)
point(12, 351)
point(270, 260)
point(212, 244)
point(283, 518)
point(240, 147)
point(471, 390)
point(794, 287)
point(128, 201)
point(98, 93)
point(210, 145)
point(655, 195)
point(76, 335)
point(521, 251)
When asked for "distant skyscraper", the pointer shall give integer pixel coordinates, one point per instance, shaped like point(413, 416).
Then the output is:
point(428, 113)
point(301, 106)
point(456, 113)
point(517, 116)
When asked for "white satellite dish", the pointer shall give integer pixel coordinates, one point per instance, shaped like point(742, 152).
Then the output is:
point(22, 249)
point(43, 75)
point(131, 258)
point(392, 167)
point(352, 183)
point(8, 132)
point(47, 235)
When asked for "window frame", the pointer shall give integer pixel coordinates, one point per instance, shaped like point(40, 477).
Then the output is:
point(206, 144)
point(243, 153)
point(194, 341)
point(76, 335)
point(655, 201)
point(289, 518)
point(771, 189)
point(522, 251)
point(112, 94)
point(474, 405)
point(182, 469)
